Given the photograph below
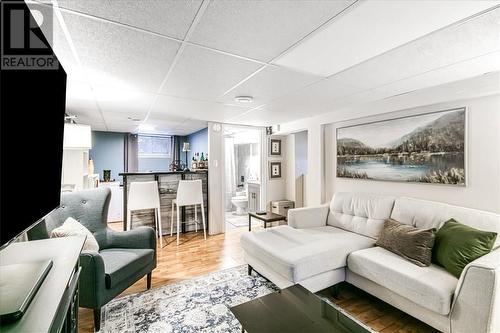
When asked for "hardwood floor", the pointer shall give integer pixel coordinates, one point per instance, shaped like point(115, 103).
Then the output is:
point(375, 313)
point(196, 257)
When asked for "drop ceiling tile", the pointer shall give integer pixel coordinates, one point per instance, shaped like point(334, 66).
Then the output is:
point(119, 56)
point(55, 35)
point(358, 98)
point(371, 28)
point(265, 117)
point(79, 94)
point(161, 126)
point(191, 126)
point(169, 17)
point(114, 119)
point(270, 83)
point(456, 72)
point(99, 127)
point(471, 39)
point(80, 102)
point(122, 128)
point(261, 29)
point(200, 110)
point(128, 102)
point(88, 116)
point(205, 74)
point(314, 99)
point(93, 122)
point(166, 117)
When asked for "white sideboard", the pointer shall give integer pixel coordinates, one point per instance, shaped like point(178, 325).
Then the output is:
point(115, 212)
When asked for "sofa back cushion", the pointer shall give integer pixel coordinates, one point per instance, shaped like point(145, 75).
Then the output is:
point(361, 213)
point(430, 214)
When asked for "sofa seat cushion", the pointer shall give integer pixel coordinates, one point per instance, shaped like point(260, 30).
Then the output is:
point(430, 287)
point(120, 264)
point(298, 254)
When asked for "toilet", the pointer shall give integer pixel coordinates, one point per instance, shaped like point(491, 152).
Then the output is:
point(240, 201)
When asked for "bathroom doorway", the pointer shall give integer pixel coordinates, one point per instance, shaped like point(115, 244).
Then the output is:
point(300, 154)
point(243, 169)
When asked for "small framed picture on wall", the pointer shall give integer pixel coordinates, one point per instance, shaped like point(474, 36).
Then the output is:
point(274, 170)
point(275, 147)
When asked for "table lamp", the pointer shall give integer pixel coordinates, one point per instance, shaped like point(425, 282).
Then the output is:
point(185, 148)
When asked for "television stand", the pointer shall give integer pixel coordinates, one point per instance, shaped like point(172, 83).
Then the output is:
point(54, 306)
point(18, 285)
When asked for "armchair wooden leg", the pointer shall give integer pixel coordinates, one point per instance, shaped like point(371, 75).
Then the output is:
point(148, 279)
point(250, 270)
point(97, 320)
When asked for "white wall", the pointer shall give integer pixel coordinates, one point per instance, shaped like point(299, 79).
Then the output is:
point(479, 95)
point(296, 162)
point(482, 168)
point(215, 175)
point(300, 152)
point(277, 188)
point(290, 171)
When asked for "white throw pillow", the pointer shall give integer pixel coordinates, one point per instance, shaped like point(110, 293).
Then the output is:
point(72, 227)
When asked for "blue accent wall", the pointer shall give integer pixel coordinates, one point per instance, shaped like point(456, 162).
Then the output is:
point(108, 153)
point(198, 143)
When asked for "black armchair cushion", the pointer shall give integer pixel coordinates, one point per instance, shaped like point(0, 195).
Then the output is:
point(120, 264)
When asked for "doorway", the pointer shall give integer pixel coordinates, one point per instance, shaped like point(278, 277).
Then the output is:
point(300, 153)
point(243, 181)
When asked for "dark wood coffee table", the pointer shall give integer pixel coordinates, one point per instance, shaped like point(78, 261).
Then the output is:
point(293, 310)
point(266, 218)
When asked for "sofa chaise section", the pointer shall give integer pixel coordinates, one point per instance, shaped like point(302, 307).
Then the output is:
point(297, 255)
point(313, 248)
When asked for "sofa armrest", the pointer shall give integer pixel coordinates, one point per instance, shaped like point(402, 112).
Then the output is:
point(138, 238)
point(92, 281)
point(476, 307)
point(308, 217)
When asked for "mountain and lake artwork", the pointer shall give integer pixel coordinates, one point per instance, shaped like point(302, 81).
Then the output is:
point(427, 148)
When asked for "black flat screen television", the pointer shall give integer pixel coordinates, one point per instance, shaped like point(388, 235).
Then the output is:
point(32, 129)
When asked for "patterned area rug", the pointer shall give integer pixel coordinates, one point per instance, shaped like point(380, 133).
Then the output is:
point(195, 305)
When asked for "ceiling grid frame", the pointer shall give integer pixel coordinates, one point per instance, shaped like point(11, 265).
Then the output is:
point(67, 35)
point(458, 23)
point(265, 64)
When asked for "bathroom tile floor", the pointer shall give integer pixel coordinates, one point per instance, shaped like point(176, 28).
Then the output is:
point(236, 221)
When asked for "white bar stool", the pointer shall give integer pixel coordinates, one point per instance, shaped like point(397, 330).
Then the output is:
point(189, 193)
point(144, 195)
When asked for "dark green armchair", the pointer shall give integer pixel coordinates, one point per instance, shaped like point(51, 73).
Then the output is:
point(124, 257)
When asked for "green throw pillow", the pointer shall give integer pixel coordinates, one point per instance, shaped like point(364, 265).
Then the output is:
point(456, 245)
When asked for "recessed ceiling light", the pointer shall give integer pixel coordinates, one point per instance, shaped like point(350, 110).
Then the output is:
point(244, 99)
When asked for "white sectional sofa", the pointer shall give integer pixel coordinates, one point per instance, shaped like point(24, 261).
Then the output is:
point(322, 246)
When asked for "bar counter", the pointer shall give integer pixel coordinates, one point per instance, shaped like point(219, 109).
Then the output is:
point(168, 181)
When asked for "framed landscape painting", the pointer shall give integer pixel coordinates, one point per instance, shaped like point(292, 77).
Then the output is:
point(426, 148)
